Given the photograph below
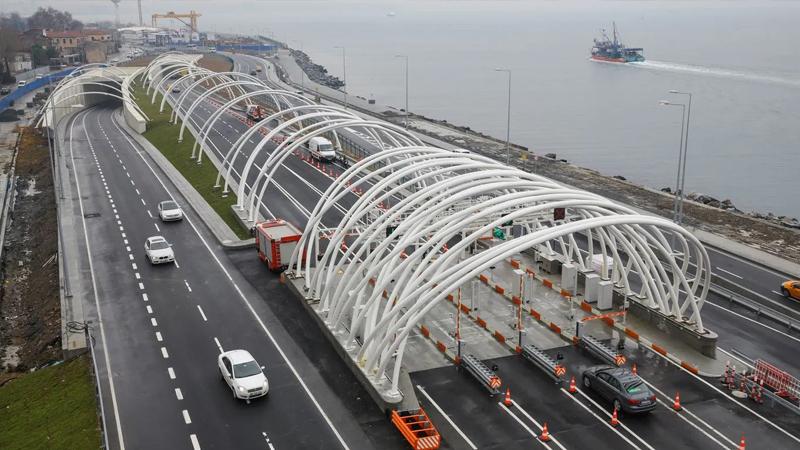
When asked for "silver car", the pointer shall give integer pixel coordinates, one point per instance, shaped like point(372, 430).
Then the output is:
point(169, 210)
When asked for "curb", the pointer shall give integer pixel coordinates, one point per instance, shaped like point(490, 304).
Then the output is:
point(215, 224)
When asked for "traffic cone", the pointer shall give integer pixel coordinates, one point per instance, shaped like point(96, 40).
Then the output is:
point(633, 369)
point(741, 444)
point(614, 418)
point(572, 388)
point(507, 400)
point(676, 405)
point(545, 436)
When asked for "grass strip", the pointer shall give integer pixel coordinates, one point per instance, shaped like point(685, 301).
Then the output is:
point(164, 136)
point(52, 408)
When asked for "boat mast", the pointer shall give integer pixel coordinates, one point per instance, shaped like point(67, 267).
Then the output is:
point(614, 25)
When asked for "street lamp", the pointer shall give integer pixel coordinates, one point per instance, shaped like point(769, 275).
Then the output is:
point(508, 115)
point(678, 189)
point(344, 74)
point(302, 70)
point(406, 59)
point(685, 150)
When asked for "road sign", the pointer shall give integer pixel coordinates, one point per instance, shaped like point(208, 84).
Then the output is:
point(560, 371)
point(494, 382)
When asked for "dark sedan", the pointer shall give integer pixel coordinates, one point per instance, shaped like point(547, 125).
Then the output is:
point(620, 386)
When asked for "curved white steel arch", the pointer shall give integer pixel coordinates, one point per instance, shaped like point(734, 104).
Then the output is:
point(207, 77)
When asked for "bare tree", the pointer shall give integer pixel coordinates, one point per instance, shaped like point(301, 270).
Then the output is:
point(53, 19)
point(9, 44)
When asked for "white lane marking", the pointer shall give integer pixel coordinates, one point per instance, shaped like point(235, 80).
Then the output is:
point(266, 438)
point(245, 300)
point(134, 266)
point(202, 313)
point(158, 336)
point(137, 192)
point(606, 413)
point(94, 288)
point(144, 297)
point(141, 285)
point(149, 214)
point(729, 273)
point(195, 443)
point(136, 274)
point(121, 229)
point(186, 417)
point(526, 427)
point(124, 236)
point(752, 320)
point(149, 309)
point(171, 373)
point(153, 321)
point(187, 285)
point(447, 418)
point(602, 420)
point(128, 248)
point(157, 229)
point(777, 293)
point(143, 203)
point(130, 256)
point(175, 261)
point(219, 346)
point(164, 352)
point(178, 393)
point(697, 427)
point(525, 413)
point(729, 397)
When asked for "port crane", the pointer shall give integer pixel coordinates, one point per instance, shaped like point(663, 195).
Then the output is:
point(191, 15)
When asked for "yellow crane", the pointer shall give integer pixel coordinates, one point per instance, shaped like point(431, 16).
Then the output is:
point(191, 15)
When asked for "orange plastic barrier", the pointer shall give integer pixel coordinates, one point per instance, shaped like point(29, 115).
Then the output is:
point(500, 290)
point(547, 283)
point(484, 278)
point(417, 428)
point(659, 349)
point(516, 300)
point(515, 263)
point(425, 331)
point(500, 338)
point(481, 323)
point(586, 307)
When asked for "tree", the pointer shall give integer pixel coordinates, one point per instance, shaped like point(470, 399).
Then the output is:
point(9, 44)
point(53, 19)
point(13, 21)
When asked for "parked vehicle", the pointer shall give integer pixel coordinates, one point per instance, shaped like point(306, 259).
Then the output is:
point(275, 241)
point(242, 374)
point(253, 73)
point(791, 289)
point(256, 113)
point(158, 250)
point(5, 91)
point(169, 210)
point(21, 83)
point(321, 149)
point(625, 390)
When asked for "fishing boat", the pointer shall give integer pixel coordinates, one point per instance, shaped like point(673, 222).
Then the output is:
point(610, 49)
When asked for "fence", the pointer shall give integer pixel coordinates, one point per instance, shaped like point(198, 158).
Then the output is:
point(31, 86)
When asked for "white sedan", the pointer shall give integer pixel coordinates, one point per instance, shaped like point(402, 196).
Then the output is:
point(243, 375)
point(169, 210)
point(158, 250)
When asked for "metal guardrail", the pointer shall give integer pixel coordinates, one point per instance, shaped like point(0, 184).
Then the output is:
point(543, 361)
point(759, 310)
point(487, 377)
point(601, 350)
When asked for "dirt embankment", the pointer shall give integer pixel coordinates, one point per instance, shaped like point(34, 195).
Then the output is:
point(30, 316)
point(216, 62)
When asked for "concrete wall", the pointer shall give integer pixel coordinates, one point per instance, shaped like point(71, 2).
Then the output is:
point(132, 116)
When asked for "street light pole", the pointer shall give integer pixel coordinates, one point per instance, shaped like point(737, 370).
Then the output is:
point(406, 58)
point(678, 189)
point(508, 116)
point(344, 74)
point(302, 71)
point(685, 151)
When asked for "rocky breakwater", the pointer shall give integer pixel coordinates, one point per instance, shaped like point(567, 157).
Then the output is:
point(315, 72)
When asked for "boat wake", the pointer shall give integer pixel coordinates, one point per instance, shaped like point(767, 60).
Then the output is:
point(716, 72)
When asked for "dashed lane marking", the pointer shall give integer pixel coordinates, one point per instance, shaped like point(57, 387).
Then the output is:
point(136, 274)
point(164, 352)
point(153, 321)
point(157, 229)
point(149, 309)
point(178, 393)
point(202, 313)
point(186, 417)
point(141, 285)
point(171, 373)
point(219, 346)
point(447, 418)
point(189, 288)
point(158, 336)
point(195, 443)
point(603, 421)
point(730, 273)
point(144, 297)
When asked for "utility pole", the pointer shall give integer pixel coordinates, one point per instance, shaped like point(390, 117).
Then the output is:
point(508, 116)
point(685, 139)
point(406, 59)
point(678, 189)
point(140, 13)
point(344, 74)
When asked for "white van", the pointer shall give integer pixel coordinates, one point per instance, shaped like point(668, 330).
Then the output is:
point(321, 149)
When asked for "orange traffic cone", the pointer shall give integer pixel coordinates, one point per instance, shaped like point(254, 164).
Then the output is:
point(572, 388)
point(545, 436)
point(507, 400)
point(741, 444)
point(676, 405)
point(614, 418)
point(633, 369)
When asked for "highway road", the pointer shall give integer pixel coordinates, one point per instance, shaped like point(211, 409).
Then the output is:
point(160, 328)
point(718, 420)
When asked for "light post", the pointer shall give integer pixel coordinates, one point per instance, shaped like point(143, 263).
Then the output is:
point(685, 151)
point(302, 71)
point(678, 190)
point(406, 60)
point(508, 116)
point(344, 74)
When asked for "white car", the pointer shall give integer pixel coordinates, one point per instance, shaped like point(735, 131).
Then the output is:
point(243, 375)
point(21, 83)
point(169, 210)
point(158, 250)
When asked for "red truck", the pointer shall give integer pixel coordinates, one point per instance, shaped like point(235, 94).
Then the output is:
point(276, 239)
point(256, 113)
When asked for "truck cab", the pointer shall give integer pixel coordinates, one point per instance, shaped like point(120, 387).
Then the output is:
point(321, 149)
point(256, 113)
point(276, 240)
